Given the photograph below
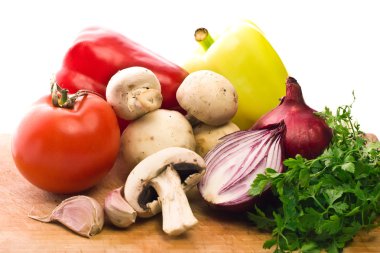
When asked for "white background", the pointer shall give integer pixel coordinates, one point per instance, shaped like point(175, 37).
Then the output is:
point(330, 47)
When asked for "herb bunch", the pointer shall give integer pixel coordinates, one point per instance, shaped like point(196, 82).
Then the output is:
point(325, 201)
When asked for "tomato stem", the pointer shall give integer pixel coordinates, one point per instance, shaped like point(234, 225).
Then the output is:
point(61, 97)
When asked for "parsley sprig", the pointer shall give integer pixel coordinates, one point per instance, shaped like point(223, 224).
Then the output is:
point(325, 201)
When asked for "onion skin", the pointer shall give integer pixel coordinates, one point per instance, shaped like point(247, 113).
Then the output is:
point(306, 133)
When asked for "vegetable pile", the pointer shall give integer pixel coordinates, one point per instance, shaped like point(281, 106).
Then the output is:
point(98, 53)
point(244, 56)
point(325, 201)
point(310, 178)
point(290, 128)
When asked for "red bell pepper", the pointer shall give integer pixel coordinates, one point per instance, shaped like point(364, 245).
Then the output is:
point(97, 54)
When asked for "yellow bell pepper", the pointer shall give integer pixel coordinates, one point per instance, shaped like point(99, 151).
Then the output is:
point(244, 56)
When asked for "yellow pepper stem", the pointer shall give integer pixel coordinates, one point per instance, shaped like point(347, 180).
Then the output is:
point(203, 37)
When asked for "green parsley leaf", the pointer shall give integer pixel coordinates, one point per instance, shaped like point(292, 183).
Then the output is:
point(350, 167)
point(258, 186)
point(324, 201)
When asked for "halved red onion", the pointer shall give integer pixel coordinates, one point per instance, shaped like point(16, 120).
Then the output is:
point(235, 162)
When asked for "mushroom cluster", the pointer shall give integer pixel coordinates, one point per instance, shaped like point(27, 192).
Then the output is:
point(164, 149)
point(210, 101)
point(158, 183)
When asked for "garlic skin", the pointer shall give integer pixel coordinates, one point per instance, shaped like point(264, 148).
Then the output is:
point(81, 214)
point(117, 209)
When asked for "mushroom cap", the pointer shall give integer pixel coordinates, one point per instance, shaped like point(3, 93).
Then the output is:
point(207, 137)
point(155, 131)
point(129, 83)
point(208, 96)
point(137, 191)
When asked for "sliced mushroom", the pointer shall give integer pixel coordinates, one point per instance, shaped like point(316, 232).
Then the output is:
point(161, 179)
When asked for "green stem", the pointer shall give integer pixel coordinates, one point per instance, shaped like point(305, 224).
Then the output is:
point(319, 204)
point(203, 37)
point(61, 98)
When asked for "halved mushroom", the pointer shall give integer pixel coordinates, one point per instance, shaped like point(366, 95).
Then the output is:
point(161, 180)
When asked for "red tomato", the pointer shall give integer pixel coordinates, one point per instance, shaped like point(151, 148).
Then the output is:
point(67, 150)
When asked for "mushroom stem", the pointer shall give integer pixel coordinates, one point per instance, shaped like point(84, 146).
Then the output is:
point(176, 212)
point(133, 92)
point(144, 99)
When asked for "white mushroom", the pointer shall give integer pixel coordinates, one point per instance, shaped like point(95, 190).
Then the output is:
point(159, 182)
point(206, 136)
point(208, 97)
point(153, 132)
point(134, 91)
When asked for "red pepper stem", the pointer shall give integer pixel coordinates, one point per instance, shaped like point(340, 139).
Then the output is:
point(61, 98)
point(203, 37)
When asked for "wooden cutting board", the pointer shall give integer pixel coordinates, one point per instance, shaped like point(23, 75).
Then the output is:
point(215, 232)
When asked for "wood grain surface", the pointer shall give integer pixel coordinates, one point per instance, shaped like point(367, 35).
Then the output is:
point(215, 232)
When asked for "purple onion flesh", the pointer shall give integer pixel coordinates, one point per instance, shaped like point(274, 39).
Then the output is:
point(235, 162)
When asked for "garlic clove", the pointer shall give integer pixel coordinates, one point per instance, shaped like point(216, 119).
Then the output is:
point(81, 214)
point(117, 209)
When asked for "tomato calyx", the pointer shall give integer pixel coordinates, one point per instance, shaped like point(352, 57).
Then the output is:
point(61, 97)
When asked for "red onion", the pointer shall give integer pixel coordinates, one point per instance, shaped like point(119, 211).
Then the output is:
point(306, 133)
point(235, 162)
